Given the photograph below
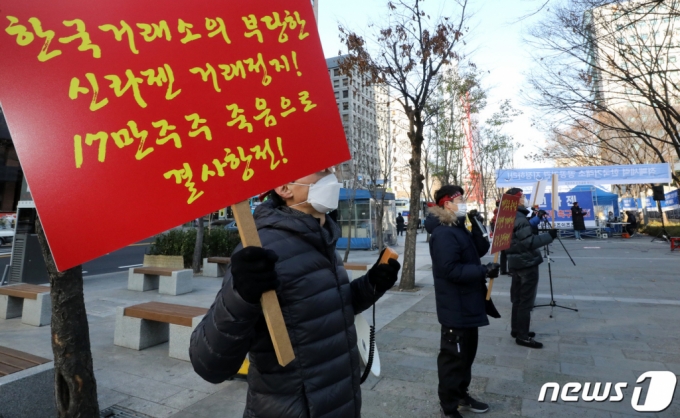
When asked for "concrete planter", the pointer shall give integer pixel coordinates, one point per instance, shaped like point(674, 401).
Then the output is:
point(28, 393)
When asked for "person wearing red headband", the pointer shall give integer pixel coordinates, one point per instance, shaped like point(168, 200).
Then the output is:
point(460, 291)
point(523, 261)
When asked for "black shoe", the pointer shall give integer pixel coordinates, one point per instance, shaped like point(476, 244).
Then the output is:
point(455, 414)
point(470, 404)
point(531, 343)
point(513, 334)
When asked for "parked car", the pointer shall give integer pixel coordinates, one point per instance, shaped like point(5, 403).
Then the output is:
point(6, 236)
point(231, 226)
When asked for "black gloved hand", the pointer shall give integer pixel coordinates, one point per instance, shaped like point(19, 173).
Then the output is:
point(474, 214)
point(541, 213)
point(492, 270)
point(553, 233)
point(253, 269)
point(384, 276)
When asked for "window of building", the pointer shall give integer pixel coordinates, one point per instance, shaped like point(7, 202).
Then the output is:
point(336, 72)
point(345, 106)
point(345, 82)
point(336, 83)
point(337, 94)
point(345, 94)
point(345, 118)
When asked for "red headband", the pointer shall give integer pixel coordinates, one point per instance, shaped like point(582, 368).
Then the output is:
point(519, 194)
point(448, 198)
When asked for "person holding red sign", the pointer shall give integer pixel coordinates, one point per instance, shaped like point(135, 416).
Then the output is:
point(460, 290)
point(523, 261)
point(298, 259)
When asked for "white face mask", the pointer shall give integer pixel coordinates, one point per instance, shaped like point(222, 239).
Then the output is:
point(462, 210)
point(323, 195)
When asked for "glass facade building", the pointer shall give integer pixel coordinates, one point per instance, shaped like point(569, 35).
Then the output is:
point(11, 175)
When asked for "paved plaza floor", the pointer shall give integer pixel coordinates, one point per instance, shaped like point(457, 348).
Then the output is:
point(627, 292)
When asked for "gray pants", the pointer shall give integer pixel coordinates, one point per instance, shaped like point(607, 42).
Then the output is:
point(523, 297)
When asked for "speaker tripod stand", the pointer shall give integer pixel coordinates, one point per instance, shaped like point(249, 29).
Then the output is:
point(662, 235)
point(552, 302)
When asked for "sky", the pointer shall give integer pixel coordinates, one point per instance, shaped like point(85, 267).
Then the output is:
point(495, 44)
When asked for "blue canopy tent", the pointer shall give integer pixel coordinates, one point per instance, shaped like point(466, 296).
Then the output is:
point(601, 197)
point(363, 219)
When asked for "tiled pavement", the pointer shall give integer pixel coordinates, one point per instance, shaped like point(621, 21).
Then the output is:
point(627, 293)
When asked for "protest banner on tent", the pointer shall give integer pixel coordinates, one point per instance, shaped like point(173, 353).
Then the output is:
point(574, 176)
point(135, 117)
point(671, 202)
point(628, 203)
point(563, 210)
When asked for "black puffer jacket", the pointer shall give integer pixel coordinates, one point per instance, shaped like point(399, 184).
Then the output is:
point(523, 252)
point(318, 304)
point(458, 272)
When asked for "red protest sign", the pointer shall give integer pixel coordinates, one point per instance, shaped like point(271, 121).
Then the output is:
point(505, 223)
point(132, 117)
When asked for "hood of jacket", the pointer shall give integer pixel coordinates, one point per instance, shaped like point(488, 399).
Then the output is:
point(523, 210)
point(439, 216)
point(270, 214)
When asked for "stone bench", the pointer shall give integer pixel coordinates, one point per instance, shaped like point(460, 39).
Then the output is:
point(215, 266)
point(148, 324)
point(26, 385)
point(31, 302)
point(168, 281)
point(355, 270)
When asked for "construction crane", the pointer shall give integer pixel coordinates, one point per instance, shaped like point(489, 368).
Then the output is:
point(474, 191)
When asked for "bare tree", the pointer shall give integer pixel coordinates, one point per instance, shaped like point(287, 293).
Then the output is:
point(608, 78)
point(406, 54)
point(198, 247)
point(446, 139)
point(493, 150)
point(75, 386)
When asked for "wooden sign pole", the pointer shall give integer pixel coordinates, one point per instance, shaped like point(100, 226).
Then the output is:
point(488, 292)
point(389, 253)
point(270, 304)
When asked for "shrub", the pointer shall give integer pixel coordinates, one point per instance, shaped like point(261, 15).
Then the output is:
point(216, 243)
point(220, 242)
point(653, 230)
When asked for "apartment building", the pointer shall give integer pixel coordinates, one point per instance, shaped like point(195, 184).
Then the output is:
point(364, 111)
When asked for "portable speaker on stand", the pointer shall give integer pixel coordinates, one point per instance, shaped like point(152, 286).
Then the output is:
point(659, 195)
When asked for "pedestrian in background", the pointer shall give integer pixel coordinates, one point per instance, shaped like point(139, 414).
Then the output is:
point(460, 291)
point(523, 261)
point(400, 224)
point(632, 222)
point(577, 219)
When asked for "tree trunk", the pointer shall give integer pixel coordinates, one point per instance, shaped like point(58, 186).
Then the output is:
point(379, 214)
point(408, 275)
point(196, 263)
point(75, 385)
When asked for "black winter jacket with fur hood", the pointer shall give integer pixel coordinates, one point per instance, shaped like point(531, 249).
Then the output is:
point(459, 275)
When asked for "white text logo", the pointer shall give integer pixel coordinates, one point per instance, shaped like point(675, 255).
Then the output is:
point(659, 394)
